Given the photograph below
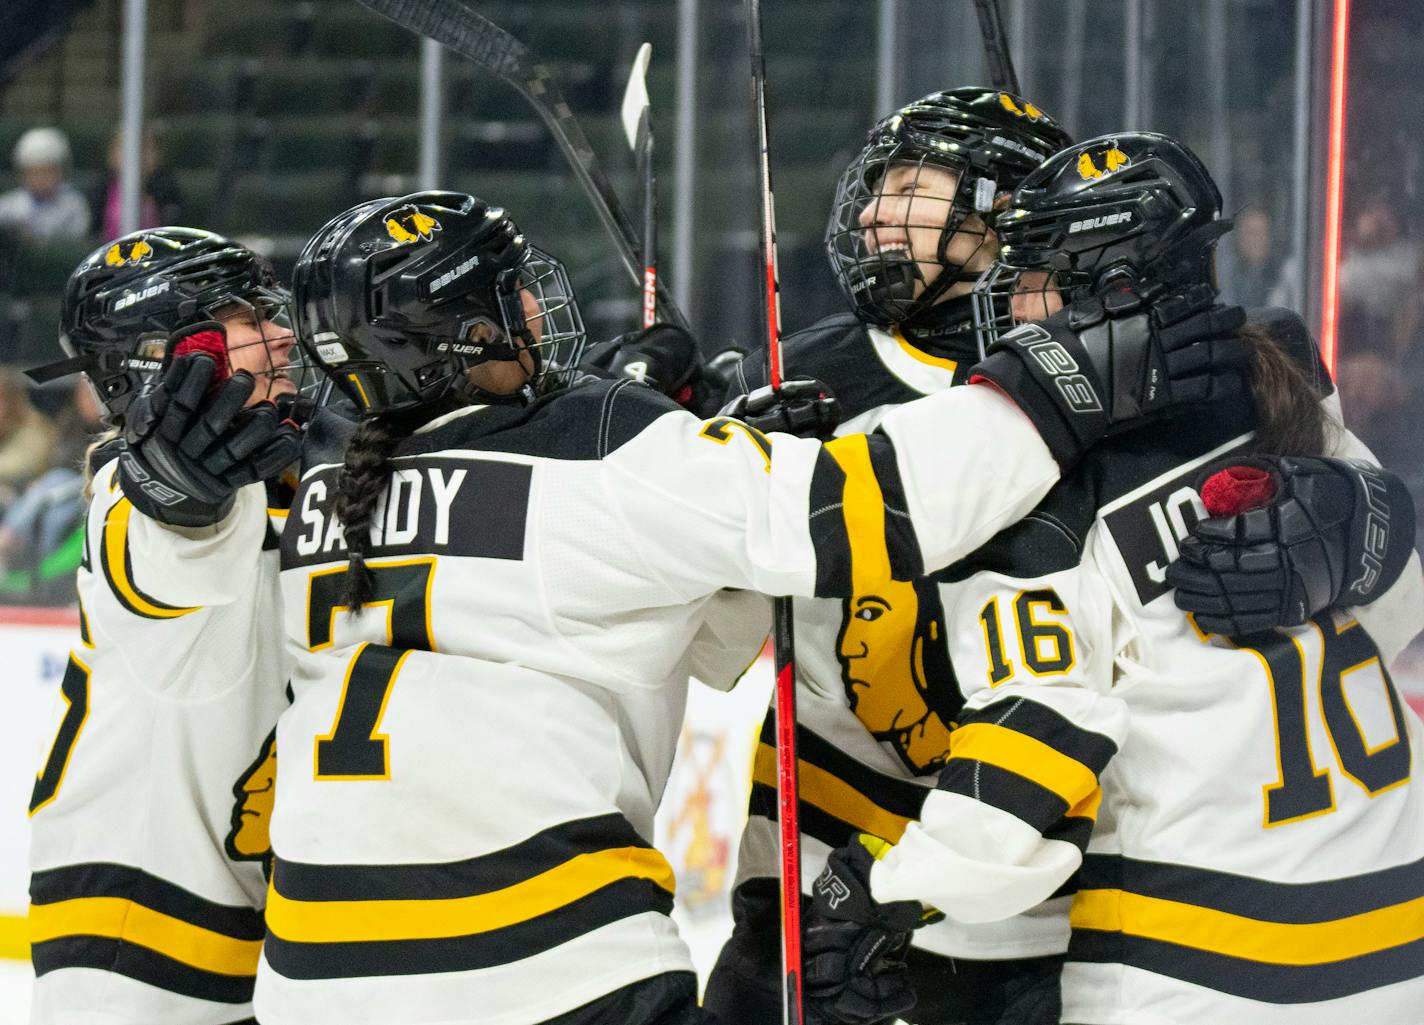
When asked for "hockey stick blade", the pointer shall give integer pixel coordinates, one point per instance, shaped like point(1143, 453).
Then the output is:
point(635, 96)
point(462, 29)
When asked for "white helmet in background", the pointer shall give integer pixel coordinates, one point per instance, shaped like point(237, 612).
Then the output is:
point(41, 147)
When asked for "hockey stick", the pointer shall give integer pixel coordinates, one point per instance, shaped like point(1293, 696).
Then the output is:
point(638, 127)
point(783, 640)
point(996, 47)
point(459, 27)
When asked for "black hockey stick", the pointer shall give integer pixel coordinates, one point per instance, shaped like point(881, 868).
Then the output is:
point(782, 638)
point(996, 47)
point(458, 26)
point(638, 127)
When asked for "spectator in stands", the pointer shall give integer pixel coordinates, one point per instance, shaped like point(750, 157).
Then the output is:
point(1257, 270)
point(161, 202)
point(1378, 269)
point(44, 206)
point(39, 551)
point(26, 437)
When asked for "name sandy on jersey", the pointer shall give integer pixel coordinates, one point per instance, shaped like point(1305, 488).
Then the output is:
point(470, 507)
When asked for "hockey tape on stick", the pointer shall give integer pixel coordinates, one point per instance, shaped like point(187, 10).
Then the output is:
point(461, 28)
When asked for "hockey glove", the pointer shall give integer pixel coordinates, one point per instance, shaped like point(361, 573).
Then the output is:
point(1100, 364)
point(853, 948)
point(189, 443)
point(1289, 537)
point(802, 406)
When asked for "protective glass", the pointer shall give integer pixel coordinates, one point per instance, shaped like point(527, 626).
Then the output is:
point(902, 229)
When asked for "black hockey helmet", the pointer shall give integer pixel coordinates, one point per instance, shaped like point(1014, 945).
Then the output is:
point(126, 297)
point(988, 139)
point(1134, 210)
point(397, 297)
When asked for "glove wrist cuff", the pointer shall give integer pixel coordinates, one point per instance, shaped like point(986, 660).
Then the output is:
point(161, 503)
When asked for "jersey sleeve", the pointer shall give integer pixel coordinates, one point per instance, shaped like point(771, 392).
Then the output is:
point(734, 628)
point(159, 571)
point(1011, 813)
point(1396, 616)
point(715, 504)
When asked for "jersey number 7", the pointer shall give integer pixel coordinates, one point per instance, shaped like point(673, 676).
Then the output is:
point(355, 748)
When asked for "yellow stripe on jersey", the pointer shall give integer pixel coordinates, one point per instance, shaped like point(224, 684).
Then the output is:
point(360, 921)
point(1190, 925)
point(1031, 758)
point(14, 938)
point(832, 795)
point(920, 356)
point(115, 563)
point(116, 918)
point(864, 511)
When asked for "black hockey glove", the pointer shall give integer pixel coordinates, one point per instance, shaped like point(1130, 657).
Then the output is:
point(188, 446)
point(1288, 538)
point(853, 948)
point(1097, 365)
point(802, 406)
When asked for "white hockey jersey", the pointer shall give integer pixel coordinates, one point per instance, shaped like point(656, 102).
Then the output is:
point(1233, 874)
point(876, 694)
point(150, 812)
point(479, 754)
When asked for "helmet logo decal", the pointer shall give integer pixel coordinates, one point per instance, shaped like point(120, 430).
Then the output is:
point(121, 253)
point(1028, 110)
point(1109, 159)
point(408, 225)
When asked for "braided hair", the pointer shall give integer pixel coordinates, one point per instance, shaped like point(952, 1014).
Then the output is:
point(363, 479)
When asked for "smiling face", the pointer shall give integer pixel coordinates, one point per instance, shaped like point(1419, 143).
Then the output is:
point(262, 346)
point(909, 214)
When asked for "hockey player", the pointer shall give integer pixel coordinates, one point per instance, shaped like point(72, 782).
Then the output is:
point(877, 695)
point(910, 232)
point(147, 854)
point(1235, 873)
point(500, 588)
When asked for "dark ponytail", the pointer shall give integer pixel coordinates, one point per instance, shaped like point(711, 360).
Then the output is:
point(1289, 418)
point(363, 479)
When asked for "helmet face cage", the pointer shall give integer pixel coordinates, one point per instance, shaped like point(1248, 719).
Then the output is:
point(261, 342)
point(1005, 297)
point(537, 306)
point(897, 216)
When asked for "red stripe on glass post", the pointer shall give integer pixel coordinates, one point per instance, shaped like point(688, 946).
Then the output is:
point(1334, 186)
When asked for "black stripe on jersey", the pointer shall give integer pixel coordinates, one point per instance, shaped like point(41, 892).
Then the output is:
point(829, 536)
point(103, 879)
point(894, 794)
point(1035, 719)
point(1293, 903)
point(141, 964)
point(903, 546)
point(614, 902)
point(447, 880)
point(1022, 798)
point(815, 822)
point(1252, 980)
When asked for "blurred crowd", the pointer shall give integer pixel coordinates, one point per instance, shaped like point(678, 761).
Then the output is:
point(45, 431)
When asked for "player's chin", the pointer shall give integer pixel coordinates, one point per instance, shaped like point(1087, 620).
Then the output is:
point(278, 386)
